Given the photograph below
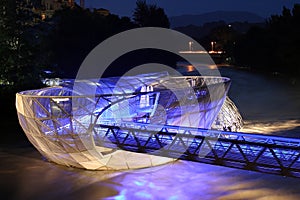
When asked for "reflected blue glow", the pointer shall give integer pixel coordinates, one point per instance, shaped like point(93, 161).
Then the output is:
point(122, 195)
point(138, 183)
point(143, 195)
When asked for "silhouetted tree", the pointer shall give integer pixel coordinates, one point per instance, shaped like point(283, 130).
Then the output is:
point(18, 67)
point(275, 48)
point(77, 32)
point(150, 15)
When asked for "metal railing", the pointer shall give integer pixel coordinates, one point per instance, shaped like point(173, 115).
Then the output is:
point(256, 152)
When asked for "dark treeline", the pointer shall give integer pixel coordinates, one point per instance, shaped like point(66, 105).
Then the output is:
point(274, 47)
point(20, 55)
point(76, 33)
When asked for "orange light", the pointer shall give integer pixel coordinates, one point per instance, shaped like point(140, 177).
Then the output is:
point(212, 66)
point(43, 16)
point(190, 68)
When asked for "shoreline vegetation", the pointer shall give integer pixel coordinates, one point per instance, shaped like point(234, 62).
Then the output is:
point(274, 48)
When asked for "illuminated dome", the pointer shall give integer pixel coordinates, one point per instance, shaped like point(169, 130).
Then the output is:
point(62, 122)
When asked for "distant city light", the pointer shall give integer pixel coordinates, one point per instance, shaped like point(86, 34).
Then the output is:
point(212, 45)
point(190, 46)
point(43, 16)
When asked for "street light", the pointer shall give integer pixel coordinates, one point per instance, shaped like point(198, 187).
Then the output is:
point(212, 45)
point(190, 46)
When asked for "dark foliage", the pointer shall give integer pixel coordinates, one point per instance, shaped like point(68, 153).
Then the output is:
point(19, 50)
point(77, 32)
point(276, 47)
point(21, 60)
point(150, 15)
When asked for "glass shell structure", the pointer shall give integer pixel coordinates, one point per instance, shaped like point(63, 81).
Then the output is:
point(64, 122)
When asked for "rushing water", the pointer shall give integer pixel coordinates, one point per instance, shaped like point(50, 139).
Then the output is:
point(267, 104)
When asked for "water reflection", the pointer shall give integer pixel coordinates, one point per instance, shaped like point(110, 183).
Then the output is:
point(24, 175)
point(289, 128)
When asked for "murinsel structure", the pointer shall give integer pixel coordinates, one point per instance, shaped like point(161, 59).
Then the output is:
point(77, 123)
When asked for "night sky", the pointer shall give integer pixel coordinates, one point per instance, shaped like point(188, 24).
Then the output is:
point(264, 8)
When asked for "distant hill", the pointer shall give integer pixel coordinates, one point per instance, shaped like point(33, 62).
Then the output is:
point(198, 32)
point(226, 16)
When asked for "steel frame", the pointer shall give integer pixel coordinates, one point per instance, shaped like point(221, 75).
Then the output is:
point(262, 153)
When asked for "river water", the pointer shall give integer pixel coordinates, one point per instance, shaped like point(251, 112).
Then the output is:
point(268, 105)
